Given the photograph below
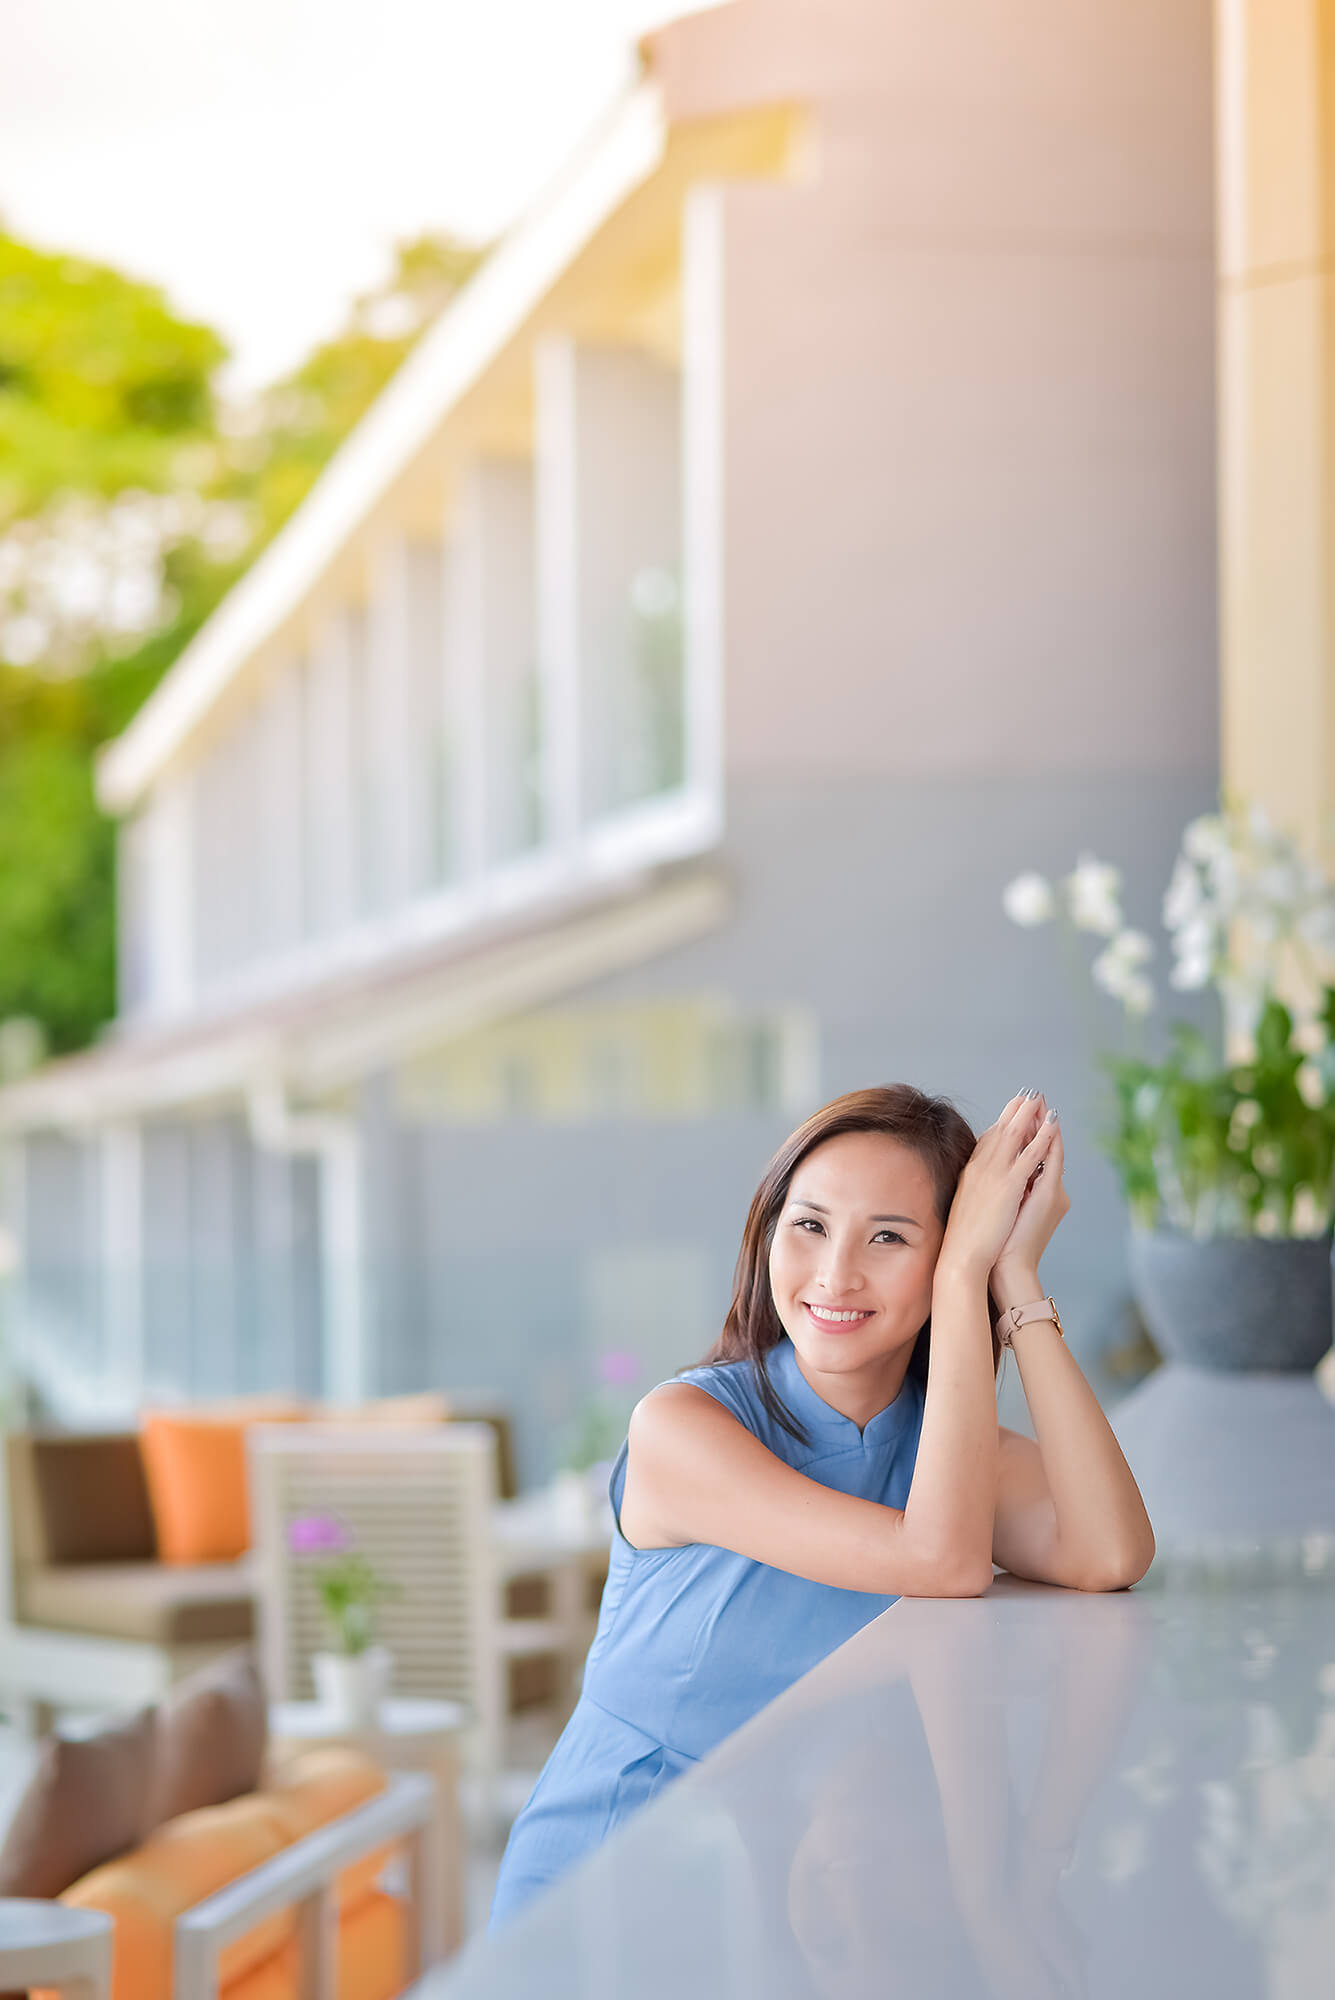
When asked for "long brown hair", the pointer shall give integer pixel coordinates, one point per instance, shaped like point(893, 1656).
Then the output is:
point(942, 1139)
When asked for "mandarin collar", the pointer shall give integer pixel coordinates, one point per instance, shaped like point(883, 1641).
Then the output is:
point(811, 1408)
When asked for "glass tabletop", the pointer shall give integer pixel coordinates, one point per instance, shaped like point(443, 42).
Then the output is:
point(1032, 1794)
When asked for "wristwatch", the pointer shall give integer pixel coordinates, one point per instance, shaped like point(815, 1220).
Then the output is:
point(1018, 1316)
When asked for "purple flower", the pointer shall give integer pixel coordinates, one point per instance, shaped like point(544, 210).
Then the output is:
point(317, 1535)
point(617, 1368)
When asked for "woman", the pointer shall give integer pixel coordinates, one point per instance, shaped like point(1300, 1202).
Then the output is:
point(838, 1448)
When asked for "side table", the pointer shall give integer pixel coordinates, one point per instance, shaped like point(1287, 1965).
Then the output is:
point(47, 1944)
point(410, 1734)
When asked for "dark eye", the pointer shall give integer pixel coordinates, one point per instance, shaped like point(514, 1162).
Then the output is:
point(806, 1222)
point(893, 1234)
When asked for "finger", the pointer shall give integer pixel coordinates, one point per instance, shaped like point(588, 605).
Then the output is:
point(1041, 1143)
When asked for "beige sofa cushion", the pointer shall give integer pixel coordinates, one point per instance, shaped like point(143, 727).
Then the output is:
point(166, 1604)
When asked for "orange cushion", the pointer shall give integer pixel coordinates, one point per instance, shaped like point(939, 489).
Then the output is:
point(195, 1465)
point(370, 1964)
point(311, 1787)
point(276, 1979)
point(315, 1786)
point(195, 1854)
point(372, 1961)
point(183, 1862)
point(196, 1472)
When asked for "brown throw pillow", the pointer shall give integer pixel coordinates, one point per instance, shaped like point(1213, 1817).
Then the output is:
point(210, 1737)
point(88, 1802)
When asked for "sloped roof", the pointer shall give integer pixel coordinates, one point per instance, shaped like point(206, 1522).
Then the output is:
point(326, 1036)
point(450, 358)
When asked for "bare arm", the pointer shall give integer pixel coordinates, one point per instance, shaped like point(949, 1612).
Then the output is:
point(1069, 1510)
point(700, 1476)
point(703, 1477)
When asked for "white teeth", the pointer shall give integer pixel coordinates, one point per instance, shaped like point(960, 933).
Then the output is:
point(821, 1313)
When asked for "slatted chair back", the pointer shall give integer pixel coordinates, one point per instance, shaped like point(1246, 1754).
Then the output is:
point(416, 1502)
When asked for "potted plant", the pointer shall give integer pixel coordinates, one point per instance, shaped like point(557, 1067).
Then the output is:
point(1225, 1151)
point(353, 1679)
point(592, 1444)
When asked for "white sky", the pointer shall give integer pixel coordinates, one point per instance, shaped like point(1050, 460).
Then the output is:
point(258, 157)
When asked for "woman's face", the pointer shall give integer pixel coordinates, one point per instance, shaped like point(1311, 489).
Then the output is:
point(854, 1250)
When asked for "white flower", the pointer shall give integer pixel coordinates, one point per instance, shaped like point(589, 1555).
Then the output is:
point(1259, 821)
point(1190, 973)
point(1028, 900)
point(1225, 881)
point(1183, 898)
point(1280, 885)
point(1115, 972)
point(1196, 939)
point(1131, 948)
point(1265, 925)
point(1205, 838)
point(1091, 892)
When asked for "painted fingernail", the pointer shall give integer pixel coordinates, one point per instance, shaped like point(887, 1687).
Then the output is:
point(1051, 1118)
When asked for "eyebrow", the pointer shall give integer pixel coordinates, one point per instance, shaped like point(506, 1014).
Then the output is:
point(802, 1203)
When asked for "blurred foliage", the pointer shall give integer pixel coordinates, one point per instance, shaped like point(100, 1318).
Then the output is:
point(1229, 1148)
point(99, 381)
point(105, 392)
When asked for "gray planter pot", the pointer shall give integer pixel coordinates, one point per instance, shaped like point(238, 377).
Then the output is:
point(1235, 1304)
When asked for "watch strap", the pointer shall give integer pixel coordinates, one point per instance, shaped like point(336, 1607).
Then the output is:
point(1017, 1316)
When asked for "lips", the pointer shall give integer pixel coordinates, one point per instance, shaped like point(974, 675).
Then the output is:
point(837, 1317)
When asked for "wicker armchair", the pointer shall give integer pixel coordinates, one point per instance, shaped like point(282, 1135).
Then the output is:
point(418, 1504)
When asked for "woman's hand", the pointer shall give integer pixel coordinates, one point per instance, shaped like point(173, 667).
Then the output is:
point(993, 1185)
point(1044, 1203)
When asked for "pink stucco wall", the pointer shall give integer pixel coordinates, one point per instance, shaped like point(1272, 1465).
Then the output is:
point(968, 385)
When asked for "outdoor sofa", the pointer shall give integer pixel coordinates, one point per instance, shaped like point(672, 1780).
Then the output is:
point(227, 1875)
point(91, 1610)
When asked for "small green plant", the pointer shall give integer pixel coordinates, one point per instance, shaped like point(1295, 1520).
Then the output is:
point(350, 1588)
point(601, 1423)
point(1208, 1145)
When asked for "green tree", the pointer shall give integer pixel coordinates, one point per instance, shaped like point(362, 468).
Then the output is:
point(131, 499)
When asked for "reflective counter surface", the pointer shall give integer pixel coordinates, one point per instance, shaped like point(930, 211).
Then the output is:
point(1029, 1794)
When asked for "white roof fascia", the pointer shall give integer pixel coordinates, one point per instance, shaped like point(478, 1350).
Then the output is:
point(451, 357)
point(315, 1057)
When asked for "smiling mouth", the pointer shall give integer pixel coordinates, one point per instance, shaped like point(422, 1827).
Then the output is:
point(830, 1318)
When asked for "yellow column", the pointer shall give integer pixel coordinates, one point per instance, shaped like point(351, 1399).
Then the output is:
point(1275, 100)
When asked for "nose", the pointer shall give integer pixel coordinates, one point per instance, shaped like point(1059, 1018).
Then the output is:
point(839, 1272)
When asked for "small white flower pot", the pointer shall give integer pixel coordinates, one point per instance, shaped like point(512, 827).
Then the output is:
point(351, 1686)
point(572, 1502)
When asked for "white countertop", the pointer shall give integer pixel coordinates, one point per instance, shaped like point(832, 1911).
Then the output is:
point(1030, 1794)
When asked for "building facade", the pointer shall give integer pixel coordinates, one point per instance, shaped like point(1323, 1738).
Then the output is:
point(804, 522)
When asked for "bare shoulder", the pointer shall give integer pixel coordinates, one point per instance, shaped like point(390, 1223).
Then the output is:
point(671, 1431)
point(695, 1474)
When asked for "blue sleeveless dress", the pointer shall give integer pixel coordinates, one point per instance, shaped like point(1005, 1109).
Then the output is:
point(693, 1641)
